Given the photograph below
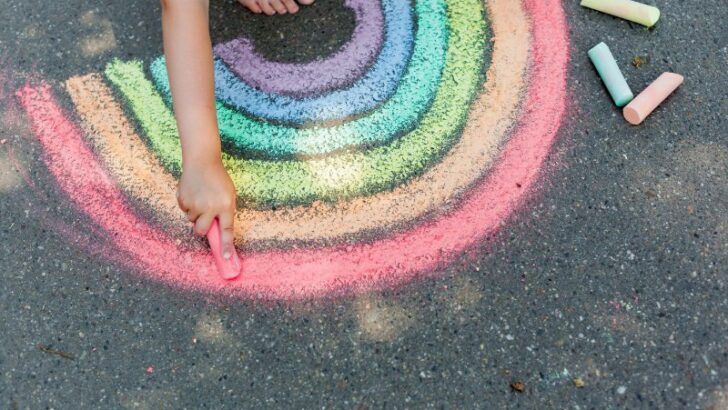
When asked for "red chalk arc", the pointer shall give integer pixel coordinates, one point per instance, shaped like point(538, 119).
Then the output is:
point(299, 273)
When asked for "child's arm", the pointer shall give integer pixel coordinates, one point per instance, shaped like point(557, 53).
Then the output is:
point(205, 189)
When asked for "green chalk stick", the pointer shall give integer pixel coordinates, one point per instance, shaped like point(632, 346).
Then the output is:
point(626, 9)
point(609, 72)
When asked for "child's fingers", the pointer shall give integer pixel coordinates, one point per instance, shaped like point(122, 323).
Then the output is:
point(227, 235)
point(192, 215)
point(203, 222)
point(181, 203)
point(306, 2)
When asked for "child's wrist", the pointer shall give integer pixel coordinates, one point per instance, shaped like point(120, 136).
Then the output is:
point(200, 139)
point(201, 150)
point(201, 158)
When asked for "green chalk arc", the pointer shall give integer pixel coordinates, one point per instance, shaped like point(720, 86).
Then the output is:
point(262, 184)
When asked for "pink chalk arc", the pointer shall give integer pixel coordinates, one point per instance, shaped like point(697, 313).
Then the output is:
point(305, 273)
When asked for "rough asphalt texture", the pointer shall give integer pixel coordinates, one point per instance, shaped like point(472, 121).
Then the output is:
point(614, 273)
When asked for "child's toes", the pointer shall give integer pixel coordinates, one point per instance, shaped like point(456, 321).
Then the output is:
point(291, 6)
point(255, 7)
point(267, 8)
point(278, 6)
point(271, 7)
point(251, 5)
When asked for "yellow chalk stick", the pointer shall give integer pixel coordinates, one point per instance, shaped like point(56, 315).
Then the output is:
point(626, 9)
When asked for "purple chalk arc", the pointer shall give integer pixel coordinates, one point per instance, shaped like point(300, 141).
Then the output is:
point(318, 76)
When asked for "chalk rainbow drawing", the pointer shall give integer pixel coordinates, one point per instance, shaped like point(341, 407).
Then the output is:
point(412, 143)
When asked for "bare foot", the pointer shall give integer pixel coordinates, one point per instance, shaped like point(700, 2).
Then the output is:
point(271, 7)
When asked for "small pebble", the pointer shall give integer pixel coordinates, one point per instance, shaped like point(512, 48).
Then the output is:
point(638, 61)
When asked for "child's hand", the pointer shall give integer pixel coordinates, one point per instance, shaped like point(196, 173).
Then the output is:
point(206, 191)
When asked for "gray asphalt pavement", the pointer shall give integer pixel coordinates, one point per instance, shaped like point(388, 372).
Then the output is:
point(614, 274)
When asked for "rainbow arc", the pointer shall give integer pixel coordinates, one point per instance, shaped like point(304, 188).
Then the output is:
point(381, 162)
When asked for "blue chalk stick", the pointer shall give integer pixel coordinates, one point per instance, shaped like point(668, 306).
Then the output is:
point(609, 72)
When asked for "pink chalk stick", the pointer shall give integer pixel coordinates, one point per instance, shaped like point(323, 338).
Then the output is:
point(636, 111)
point(228, 268)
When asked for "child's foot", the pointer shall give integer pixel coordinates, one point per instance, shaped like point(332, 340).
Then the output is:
point(271, 7)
